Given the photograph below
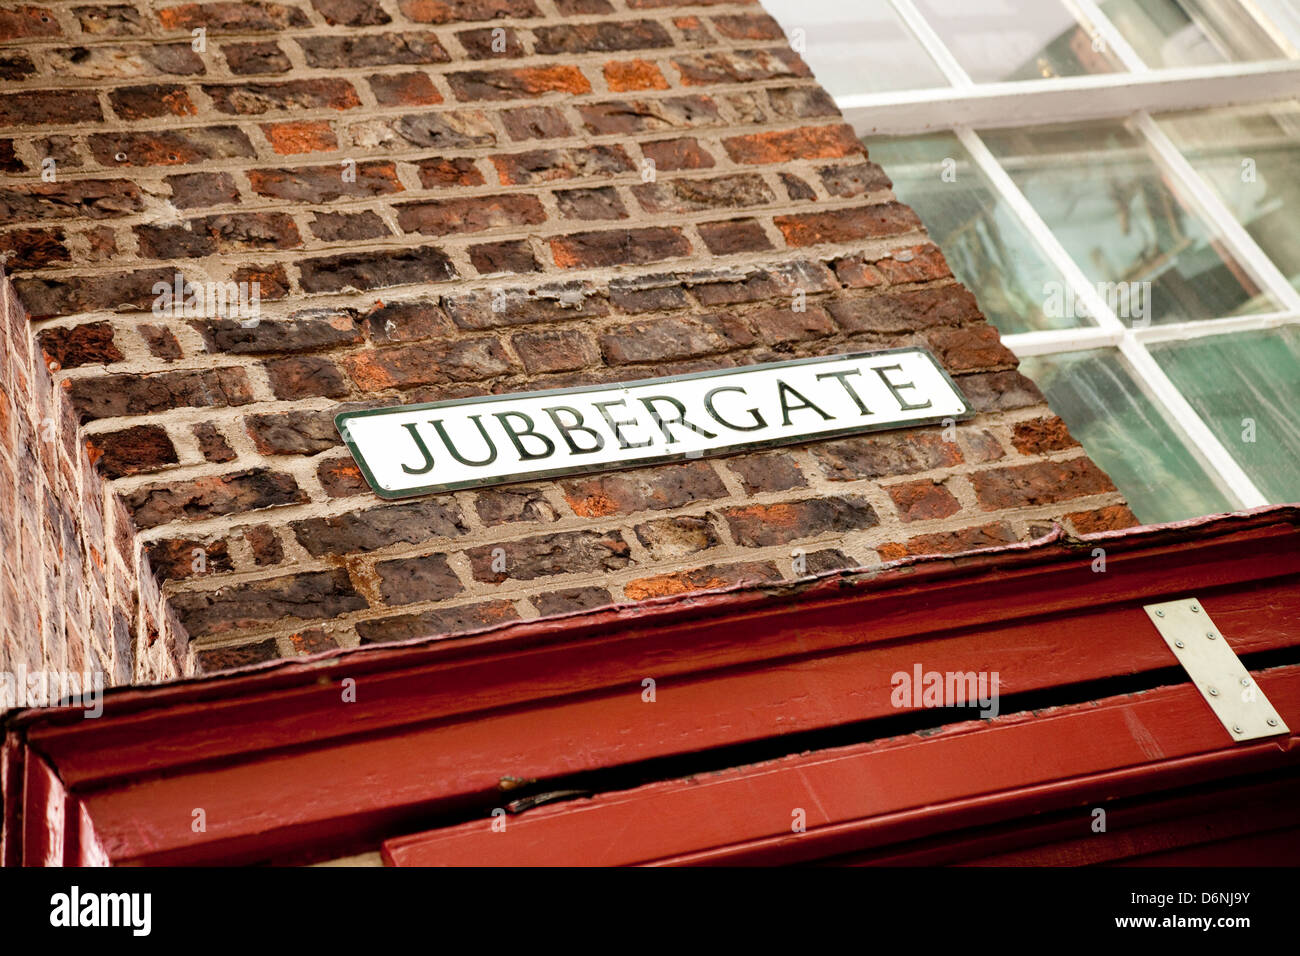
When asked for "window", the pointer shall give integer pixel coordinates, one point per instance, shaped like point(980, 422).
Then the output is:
point(1118, 181)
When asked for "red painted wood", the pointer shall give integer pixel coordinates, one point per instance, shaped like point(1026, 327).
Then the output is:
point(44, 802)
point(280, 764)
point(882, 791)
point(1254, 572)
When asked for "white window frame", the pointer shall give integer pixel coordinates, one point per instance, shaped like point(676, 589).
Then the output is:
point(1133, 96)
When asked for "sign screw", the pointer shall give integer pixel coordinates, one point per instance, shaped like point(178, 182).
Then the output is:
point(1195, 609)
point(1272, 722)
point(1178, 643)
point(1160, 613)
point(1245, 682)
point(1210, 635)
point(1213, 692)
point(1236, 729)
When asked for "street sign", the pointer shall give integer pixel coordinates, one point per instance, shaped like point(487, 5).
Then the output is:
point(443, 446)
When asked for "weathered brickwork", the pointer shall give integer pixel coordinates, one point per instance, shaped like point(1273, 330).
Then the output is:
point(76, 592)
point(447, 198)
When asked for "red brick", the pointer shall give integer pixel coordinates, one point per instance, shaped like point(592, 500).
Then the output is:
point(847, 225)
point(519, 83)
point(923, 500)
point(700, 579)
point(619, 247)
point(1041, 435)
point(404, 89)
point(781, 146)
point(1110, 518)
point(292, 138)
point(1042, 482)
point(643, 489)
point(622, 76)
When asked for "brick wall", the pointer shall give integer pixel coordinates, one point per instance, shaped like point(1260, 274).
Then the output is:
point(445, 198)
point(76, 593)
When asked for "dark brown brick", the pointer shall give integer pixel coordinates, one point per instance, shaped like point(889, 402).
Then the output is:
point(212, 496)
point(132, 451)
point(325, 183)
point(547, 554)
point(362, 531)
point(112, 396)
point(618, 247)
point(550, 165)
point(756, 526)
point(256, 59)
point(306, 376)
point(309, 596)
point(443, 217)
point(468, 360)
point(643, 489)
point(559, 351)
point(902, 453)
point(452, 620)
point(78, 345)
point(734, 235)
point(414, 580)
point(1043, 482)
point(502, 505)
point(571, 600)
point(375, 270)
point(511, 256)
point(372, 49)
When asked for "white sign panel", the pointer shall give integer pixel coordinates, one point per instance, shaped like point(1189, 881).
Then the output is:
point(443, 446)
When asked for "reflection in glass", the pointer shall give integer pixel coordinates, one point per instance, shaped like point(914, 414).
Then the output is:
point(1251, 158)
point(998, 40)
point(1192, 32)
point(858, 47)
point(1246, 387)
point(1096, 187)
point(987, 247)
point(1124, 433)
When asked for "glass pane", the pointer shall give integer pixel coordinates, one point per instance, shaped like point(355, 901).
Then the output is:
point(1124, 433)
point(1247, 388)
point(1106, 201)
point(858, 47)
point(1191, 32)
point(996, 40)
point(988, 248)
point(1251, 158)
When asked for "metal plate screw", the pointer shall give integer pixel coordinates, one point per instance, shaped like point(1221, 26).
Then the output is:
point(1194, 609)
point(1160, 613)
point(1213, 692)
point(1245, 682)
point(1179, 644)
point(1210, 635)
point(1236, 729)
point(1272, 722)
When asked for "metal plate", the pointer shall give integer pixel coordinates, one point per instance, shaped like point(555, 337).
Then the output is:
point(1215, 669)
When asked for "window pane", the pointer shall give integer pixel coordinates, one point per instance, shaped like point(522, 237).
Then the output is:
point(987, 247)
point(996, 40)
point(1191, 32)
point(1106, 201)
point(858, 47)
point(1251, 158)
point(1124, 433)
point(1247, 388)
